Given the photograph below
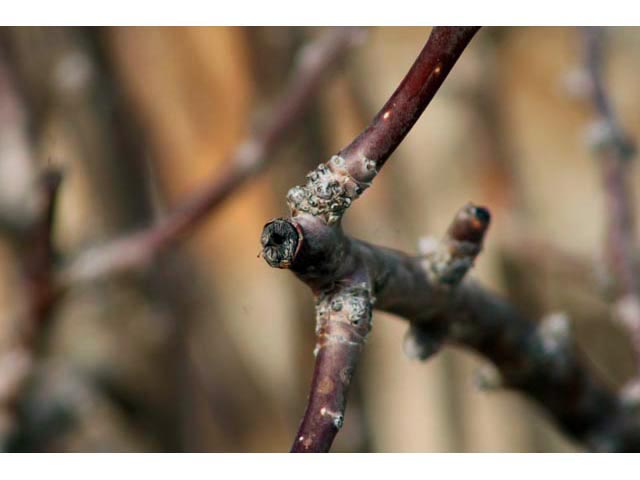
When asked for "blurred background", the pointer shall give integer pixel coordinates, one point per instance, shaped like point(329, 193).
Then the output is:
point(209, 349)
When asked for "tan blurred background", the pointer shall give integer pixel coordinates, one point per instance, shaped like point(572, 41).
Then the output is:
point(209, 349)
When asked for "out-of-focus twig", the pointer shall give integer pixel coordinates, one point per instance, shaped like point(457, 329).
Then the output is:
point(36, 257)
point(40, 256)
point(615, 151)
point(252, 156)
point(28, 214)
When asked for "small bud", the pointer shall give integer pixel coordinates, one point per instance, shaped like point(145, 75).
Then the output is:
point(419, 344)
point(555, 332)
point(627, 312)
point(370, 164)
point(428, 245)
point(487, 377)
point(337, 418)
point(630, 395)
point(337, 160)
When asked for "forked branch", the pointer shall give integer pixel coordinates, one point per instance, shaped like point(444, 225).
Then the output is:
point(349, 277)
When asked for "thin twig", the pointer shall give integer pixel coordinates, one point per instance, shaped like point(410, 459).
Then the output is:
point(37, 258)
point(614, 152)
point(40, 257)
point(350, 277)
point(28, 212)
point(252, 156)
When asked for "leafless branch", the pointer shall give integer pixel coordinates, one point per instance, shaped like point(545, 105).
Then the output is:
point(27, 212)
point(251, 157)
point(349, 277)
point(345, 275)
point(37, 258)
point(615, 151)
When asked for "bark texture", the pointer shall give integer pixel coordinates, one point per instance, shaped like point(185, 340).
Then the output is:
point(350, 277)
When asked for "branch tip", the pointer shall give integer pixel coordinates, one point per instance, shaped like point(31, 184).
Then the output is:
point(280, 241)
point(470, 224)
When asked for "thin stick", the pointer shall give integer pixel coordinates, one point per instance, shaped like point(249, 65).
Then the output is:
point(251, 157)
point(615, 152)
point(37, 258)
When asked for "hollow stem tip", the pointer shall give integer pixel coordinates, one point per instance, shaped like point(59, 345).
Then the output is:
point(280, 241)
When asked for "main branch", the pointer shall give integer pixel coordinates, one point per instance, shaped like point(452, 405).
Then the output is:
point(349, 277)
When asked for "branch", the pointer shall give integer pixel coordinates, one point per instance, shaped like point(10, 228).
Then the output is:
point(349, 277)
point(346, 276)
point(37, 258)
point(40, 256)
point(614, 152)
point(250, 158)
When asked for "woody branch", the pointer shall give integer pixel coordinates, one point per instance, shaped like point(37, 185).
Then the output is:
point(615, 152)
point(349, 278)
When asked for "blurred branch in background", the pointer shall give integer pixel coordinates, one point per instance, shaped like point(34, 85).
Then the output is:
point(43, 287)
point(28, 217)
point(615, 152)
point(36, 256)
point(251, 157)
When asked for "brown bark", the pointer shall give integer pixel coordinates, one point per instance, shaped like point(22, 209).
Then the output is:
point(349, 277)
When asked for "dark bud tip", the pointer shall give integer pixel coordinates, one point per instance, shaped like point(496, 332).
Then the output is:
point(280, 240)
point(51, 178)
point(482, 215)
point(470, 224)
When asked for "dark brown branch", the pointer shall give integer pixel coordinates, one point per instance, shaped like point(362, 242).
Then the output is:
point(40, 255)
point(37, 258)
point(343, 320)
point(402, 110)
point(251, 157)
point(368, 275)
point(348, 275)
point(614, 152)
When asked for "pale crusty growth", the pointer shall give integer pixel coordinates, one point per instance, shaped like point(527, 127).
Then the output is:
point(328, 193)
point(344, 315)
